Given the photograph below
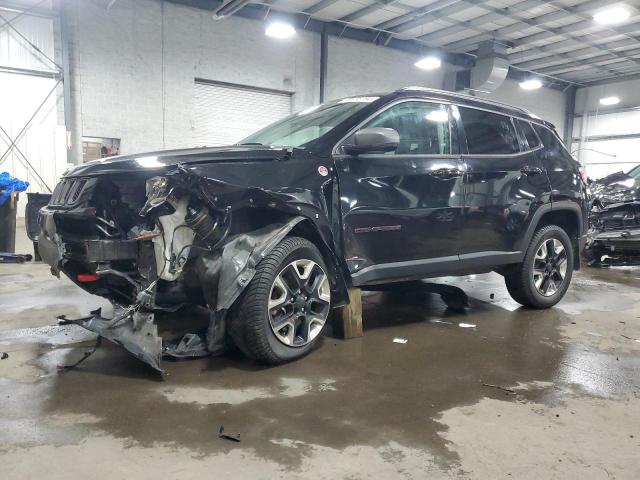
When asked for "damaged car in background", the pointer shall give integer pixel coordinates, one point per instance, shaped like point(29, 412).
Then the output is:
point(270, 234)
point(614, 233)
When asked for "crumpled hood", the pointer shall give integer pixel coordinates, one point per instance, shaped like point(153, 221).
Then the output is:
point(161, 160)
point(615, 188)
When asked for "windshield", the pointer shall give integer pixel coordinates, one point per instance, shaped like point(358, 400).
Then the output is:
point(308, 125)
point(635, 172)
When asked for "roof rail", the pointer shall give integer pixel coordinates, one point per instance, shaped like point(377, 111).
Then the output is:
point(465, 96)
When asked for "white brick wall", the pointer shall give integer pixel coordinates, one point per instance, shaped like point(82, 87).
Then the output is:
point(356, 67)
point(120, 60)
point(119, 69)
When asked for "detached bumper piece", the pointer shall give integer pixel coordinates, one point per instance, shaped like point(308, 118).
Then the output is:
point(614, 248)
point(134, 330)
point(614, 238)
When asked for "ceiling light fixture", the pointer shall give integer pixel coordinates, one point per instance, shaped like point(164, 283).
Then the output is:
point(613, 100)
point(280, 30)
point(428, 63)
point(531, 84)
point(612, 15)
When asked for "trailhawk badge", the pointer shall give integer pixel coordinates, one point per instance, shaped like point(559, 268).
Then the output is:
point(322, 170)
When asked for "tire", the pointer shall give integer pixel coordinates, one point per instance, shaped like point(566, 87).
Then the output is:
point(538, 282)
point(288, 330)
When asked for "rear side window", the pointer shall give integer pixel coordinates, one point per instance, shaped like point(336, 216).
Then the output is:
point(556, 156)
point(488, 133)
point(423, 127)
point(529, 134)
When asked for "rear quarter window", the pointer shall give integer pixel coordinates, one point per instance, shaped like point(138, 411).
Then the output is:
point(488, 133)
point(529, 134)
point(556, 155)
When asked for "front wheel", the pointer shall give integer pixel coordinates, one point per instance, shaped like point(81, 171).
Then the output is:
point(545, 273)
point(280, 315)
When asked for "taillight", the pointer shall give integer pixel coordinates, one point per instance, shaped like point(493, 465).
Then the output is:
point(87, 277)
point(583, 174)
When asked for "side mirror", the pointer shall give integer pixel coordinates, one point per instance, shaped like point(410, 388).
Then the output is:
point(373, 140)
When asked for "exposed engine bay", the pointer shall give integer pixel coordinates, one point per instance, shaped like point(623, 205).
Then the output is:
point(614, 233)
point(152, 244)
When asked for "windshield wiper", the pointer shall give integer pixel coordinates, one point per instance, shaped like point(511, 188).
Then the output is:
point(251, 143)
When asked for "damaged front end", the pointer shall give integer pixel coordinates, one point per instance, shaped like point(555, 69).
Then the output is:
point(614, 236)
point(156, 243)
point(614, 223)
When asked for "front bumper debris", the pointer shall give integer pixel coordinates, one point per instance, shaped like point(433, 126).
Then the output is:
point(618, 247)
point(135, 331)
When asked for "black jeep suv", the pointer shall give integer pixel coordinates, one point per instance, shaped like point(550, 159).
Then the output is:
point(270, 233)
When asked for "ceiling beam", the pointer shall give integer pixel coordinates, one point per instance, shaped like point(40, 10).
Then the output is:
point(303, 21)
point(438, 12)
point(361, 12)
point(545, 63)
point(621, 64)
point(541, 20)
point(559, 32)
point(524, 55)
point(321, 5)
point(429, 9)
point(478, 21)
point(606, 81)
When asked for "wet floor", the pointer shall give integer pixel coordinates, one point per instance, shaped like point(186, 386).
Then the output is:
point(495, 392)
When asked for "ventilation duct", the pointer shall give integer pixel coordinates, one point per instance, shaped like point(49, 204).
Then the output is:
point(490, 70)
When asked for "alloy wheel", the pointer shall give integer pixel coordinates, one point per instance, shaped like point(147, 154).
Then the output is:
point(549, 267)
point(299, 303)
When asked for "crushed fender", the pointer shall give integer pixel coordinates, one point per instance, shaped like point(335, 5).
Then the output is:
point(188, 239)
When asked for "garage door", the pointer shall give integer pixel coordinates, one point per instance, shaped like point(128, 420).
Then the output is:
point(225, 114)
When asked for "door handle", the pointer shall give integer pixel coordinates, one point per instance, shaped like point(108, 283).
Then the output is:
point(530, 170)
point(446, 173)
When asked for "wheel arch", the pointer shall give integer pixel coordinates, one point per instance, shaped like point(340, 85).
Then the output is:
point(308, 230)
point(567, 215)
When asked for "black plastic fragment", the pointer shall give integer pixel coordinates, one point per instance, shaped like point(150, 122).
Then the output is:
point(191, 345)
point(233, 437)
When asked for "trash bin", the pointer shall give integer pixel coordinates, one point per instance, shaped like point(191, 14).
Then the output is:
point(9, 188)
point(35, 201)
point(8, 224)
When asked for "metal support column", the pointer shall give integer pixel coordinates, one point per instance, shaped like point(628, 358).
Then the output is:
point(324, 52)
point(72, 106)
point(570, 111)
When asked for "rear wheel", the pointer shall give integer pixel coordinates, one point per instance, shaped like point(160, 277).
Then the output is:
point(281, 313)
point(545, 273)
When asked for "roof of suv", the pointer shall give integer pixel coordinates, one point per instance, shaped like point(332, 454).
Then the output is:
point(470, 100)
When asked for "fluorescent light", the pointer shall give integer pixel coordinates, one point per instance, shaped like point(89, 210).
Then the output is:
point(531, 84)
point(612, 15)
point(613, 100)
point(280, 30)
point(428, 63)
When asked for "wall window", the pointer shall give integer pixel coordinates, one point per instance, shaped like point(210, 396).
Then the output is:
point(423, 127)
point(532, 139)
point(488, 133)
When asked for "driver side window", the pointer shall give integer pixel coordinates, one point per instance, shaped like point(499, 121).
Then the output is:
point(423, 127)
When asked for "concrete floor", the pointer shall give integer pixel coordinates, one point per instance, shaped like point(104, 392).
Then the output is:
point(364, 408)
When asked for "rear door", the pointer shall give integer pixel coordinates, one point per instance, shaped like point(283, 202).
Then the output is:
point(401, 210)
point(503, 184)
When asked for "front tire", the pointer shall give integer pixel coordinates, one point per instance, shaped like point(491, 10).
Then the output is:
point(545, 273)
point(280, 315)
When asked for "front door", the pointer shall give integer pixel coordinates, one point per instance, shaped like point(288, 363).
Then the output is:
point(402, 210)
point(504, 182)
